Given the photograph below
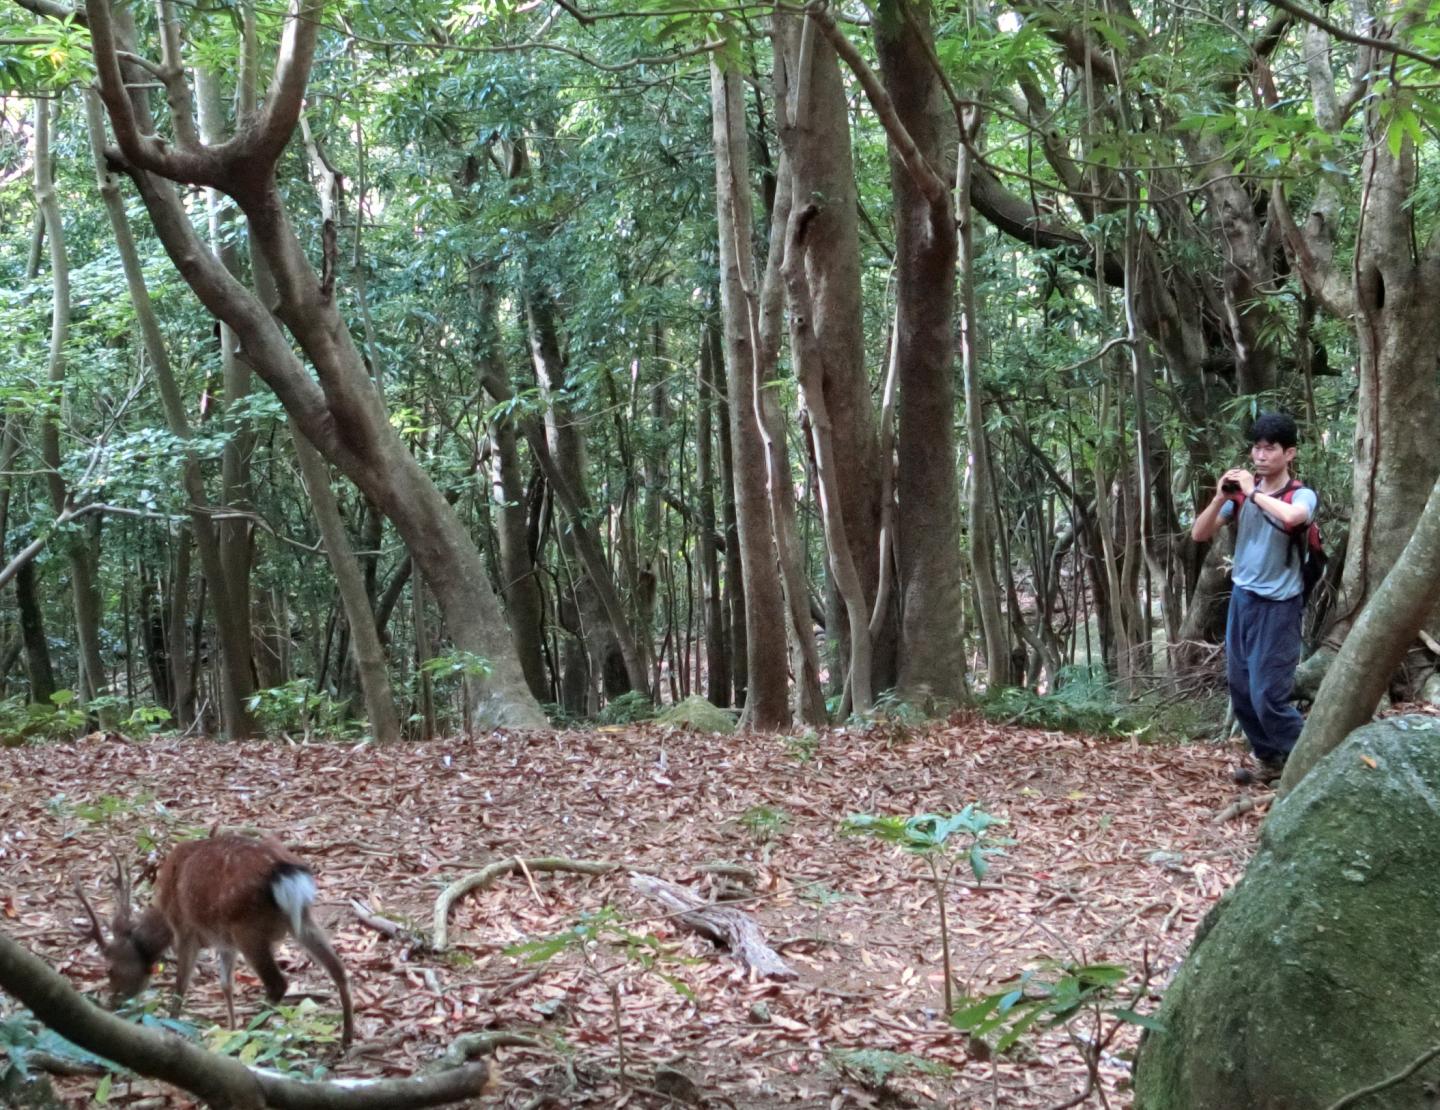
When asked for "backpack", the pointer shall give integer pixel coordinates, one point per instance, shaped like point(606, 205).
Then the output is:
point(1305, 539)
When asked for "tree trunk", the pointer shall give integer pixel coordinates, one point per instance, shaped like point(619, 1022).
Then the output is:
point(350, 580)
point(519, 577)
point(984, 527)
point(1397, 612)
point(767, 702)
point(607, 627)
point(1390, 293)
point(734, 607)
point(232, 624)
point(717, 657)
point(234, 534)
point(32, 630)
point(84, 571)
point(813, 123)
point(932, 650)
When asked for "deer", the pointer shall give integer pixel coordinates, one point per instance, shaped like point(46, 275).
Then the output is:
point(230, 893)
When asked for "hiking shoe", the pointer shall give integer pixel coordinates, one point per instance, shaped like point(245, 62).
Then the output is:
point(1265, 772)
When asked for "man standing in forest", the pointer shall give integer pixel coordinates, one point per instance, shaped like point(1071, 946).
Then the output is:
point(1262, 635)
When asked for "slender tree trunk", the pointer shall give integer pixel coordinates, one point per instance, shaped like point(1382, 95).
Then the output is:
point(519, 577)
point(607, 628)
point(364, 639)
point(182, 684)
point(235, 534)
point(767, 694)
point(813, 123)
point(734, 607)
point(1397, 612)
point(232, 623)
point(984, 539)
point(717, 659)
point(84, 570)
point(766, 313)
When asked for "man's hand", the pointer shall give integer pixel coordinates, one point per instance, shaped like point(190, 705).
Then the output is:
point(1241, 477)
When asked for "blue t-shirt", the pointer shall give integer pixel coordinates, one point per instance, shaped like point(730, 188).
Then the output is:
point(1266, 561)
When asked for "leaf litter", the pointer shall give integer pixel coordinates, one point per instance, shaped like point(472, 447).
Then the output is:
point(1115, 858)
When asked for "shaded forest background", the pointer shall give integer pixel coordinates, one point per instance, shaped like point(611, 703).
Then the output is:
point(447, 363)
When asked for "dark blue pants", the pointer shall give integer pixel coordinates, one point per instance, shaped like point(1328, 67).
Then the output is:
point(1262, 649)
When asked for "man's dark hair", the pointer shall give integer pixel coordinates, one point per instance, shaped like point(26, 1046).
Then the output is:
point(1275, 427)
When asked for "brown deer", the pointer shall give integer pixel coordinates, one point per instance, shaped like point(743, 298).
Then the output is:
point(231, 893)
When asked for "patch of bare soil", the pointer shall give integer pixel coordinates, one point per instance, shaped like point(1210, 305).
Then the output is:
point(1117, 856)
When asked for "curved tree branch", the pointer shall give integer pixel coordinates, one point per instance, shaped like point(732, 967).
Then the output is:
point(278, 119)
point(217, 1080)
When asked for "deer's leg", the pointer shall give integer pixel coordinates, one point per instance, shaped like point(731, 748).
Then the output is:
point(227, 981)
point(259, 956)
point(312, 938)
point(186, 949)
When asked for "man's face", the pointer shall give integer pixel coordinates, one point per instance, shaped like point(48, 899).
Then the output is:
point(1270, 458)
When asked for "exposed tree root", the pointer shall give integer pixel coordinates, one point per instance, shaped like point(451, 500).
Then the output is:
point(479, 880)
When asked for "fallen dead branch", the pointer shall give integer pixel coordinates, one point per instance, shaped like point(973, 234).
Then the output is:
point(467, 1048)
point(1237, 808)
point(387, 928)
point(479, 880)
point(723, 925)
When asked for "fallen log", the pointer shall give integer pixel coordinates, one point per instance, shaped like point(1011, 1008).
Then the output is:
point(722, 924)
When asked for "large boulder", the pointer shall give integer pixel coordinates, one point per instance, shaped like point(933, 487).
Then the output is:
point(1319, 973)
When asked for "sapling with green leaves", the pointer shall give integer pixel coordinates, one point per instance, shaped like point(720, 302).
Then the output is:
point(1055, 994)
point(605, 929)
point(943, 843)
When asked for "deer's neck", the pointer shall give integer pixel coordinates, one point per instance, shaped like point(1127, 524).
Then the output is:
point(152, 934)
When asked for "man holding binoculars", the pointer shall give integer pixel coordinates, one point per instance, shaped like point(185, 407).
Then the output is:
point(1262, 635)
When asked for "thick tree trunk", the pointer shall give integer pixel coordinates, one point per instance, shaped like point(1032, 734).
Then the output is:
point(32, 630)
point(932, 649)
point(1390, 293)
point(813, 122)
point(767, 702)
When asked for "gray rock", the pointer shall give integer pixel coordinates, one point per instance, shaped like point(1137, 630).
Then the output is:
point(1317, 975)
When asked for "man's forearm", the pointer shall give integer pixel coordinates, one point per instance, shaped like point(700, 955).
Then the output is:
point(1290, 515)
point(1208, 522)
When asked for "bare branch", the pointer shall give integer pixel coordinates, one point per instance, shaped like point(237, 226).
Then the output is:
point(1339, 32)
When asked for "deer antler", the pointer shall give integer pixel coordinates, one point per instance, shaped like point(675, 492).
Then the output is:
point(96, 930)
point(123, 888)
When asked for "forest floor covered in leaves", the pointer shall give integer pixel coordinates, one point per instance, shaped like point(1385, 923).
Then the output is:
point(1116, 857)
